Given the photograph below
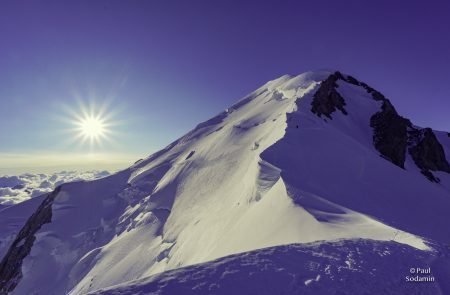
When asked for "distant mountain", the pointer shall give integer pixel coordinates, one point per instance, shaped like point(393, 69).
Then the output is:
point(320, 157)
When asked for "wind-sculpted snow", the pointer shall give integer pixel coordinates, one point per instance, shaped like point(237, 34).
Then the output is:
point(265, 172)
point(341, 267)
point(338, 163)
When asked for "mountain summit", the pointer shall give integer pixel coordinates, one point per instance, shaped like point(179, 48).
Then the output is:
point(316, 158)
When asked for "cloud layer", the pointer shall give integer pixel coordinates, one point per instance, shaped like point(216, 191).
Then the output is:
point(16, 189)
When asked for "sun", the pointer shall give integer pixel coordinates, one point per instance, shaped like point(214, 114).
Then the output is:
point(92, 127)
point(90, 123)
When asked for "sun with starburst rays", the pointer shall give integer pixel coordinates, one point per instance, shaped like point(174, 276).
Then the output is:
point(92, 127)
point(91, 124)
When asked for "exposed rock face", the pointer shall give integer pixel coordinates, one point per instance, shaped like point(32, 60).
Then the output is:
point(375, 94)
point(11, 265)
point(393, 134)
point(428, 153)
point(352, 80)
point(390, 135)
point(326, 99)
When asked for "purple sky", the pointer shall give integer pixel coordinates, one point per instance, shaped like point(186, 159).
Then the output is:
point(164, 66)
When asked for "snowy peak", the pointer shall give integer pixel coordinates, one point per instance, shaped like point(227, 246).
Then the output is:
point(393, 135)
point(295, 161)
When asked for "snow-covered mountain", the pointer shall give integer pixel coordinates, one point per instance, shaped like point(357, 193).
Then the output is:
point(316, 157)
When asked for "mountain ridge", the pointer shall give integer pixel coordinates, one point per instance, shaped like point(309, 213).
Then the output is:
point(292, 162)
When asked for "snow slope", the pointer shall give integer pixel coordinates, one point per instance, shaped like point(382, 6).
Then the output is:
point(265, 172)
point(24, 187)
point(343, 267)
point(12, 219)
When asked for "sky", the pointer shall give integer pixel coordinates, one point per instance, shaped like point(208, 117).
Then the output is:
point(155, 69)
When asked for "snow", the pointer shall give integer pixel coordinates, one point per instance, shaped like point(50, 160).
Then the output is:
point(317, 268)
point(265, 172)
point(349, 172)
point(316, 279)
point(12, 219)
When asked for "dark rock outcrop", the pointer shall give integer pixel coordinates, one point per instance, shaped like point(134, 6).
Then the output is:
point(390, 135)
point(11, 265)
point(375, 94)
point(327, 100)
point(393, 135)
point(352, 80)
point(191, 153)
point(428, 153)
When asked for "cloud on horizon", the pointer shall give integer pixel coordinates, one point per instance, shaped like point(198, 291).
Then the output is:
point(16, 163)
point(16, 189)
